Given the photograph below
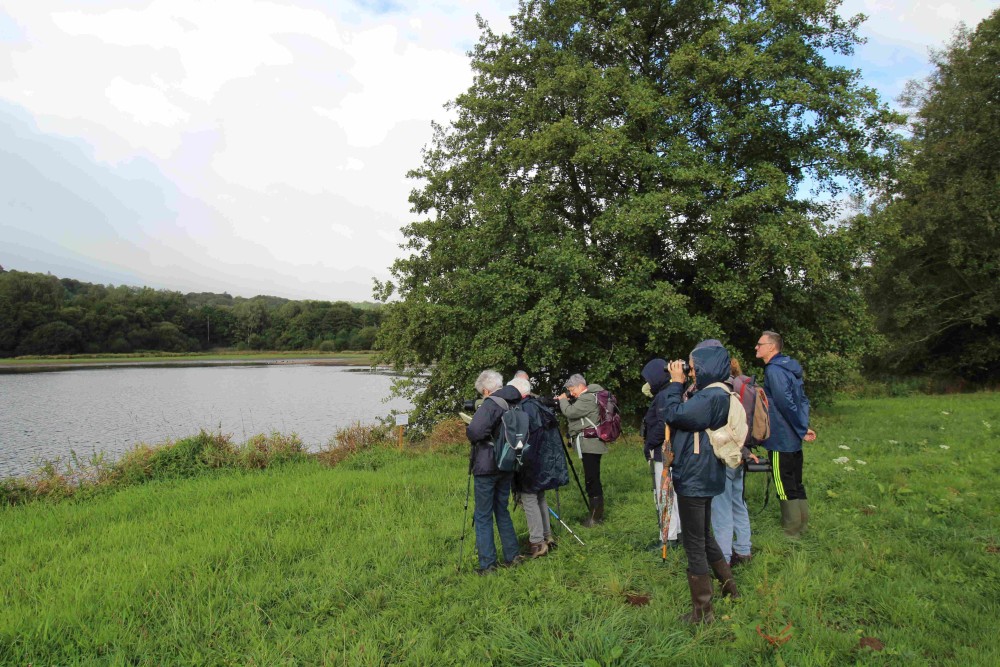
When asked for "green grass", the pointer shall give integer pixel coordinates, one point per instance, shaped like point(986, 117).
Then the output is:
point(303, 564)
point(350, 358)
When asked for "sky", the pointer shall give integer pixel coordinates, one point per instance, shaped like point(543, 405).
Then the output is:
point(262, 147)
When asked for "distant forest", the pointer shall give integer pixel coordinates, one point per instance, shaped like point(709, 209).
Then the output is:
point(43, 314)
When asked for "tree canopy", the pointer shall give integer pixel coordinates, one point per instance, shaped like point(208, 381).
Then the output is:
point(936, 270)
point(623, 179)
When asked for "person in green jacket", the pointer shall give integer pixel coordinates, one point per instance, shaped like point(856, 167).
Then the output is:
point(583, 413)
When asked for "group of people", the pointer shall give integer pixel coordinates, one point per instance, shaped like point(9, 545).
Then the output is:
point(711, 516)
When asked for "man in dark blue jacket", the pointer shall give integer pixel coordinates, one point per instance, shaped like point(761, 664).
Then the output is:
point(698, 474)
point(492, 486)
point(789, 415)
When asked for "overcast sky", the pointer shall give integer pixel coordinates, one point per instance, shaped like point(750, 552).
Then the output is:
point(262, 147)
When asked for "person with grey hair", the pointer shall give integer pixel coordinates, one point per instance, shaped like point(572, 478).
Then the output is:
point(492, 486)
point(583, 413)
point(543, 467)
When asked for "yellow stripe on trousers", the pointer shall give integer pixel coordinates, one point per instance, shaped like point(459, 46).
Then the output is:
point(776, 469)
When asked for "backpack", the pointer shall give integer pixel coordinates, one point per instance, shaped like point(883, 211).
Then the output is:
point(511, 439)
point(756, 405)
point(727, 440)
point(609, 421)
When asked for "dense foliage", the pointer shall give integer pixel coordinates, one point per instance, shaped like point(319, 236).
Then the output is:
point(936, 276)
point(623, 179)
point(42, 314)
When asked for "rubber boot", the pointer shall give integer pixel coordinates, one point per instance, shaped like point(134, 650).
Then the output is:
point(803, 514)
point(791, 518)
point(596, 512)
point(724, 573)
point(701, 599)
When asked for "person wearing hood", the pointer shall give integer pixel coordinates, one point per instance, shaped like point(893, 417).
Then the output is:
point(654, 435)
point(789, 414)
point(492, 487)
point(582, 413)
point(698, 474)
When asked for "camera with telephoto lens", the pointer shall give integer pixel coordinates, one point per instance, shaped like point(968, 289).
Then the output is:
point(469, 405)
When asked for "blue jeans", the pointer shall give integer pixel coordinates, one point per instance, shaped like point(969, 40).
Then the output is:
point(729, 515)
point(492, 495)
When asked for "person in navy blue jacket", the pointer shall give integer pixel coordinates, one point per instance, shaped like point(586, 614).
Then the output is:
point(789, 415)
point(698, 474)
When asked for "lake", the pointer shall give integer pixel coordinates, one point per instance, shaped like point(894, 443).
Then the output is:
point(46, 415)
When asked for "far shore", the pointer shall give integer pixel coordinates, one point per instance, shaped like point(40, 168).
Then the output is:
point(360, 359)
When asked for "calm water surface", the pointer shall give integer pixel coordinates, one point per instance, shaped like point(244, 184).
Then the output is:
point(46, 415)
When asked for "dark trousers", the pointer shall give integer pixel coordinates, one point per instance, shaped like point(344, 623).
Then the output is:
point(787, 470)
point(592, 474)
point(696, 531)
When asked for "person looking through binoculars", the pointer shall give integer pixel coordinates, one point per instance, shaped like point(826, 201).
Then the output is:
point(583, 413)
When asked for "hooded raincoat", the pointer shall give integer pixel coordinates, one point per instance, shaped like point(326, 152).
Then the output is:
point(482, 428)
point(699, 474)
point(789, 406)
point(653, 427)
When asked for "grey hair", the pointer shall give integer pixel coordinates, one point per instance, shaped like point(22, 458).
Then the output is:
point(575, 380)
point(521, 385)
point(775, 338)
point(522, 374)
point(489, 379)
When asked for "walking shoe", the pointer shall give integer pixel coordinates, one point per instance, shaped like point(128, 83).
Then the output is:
point(550, 542)
point(513, 562)
point(538, 549)
point(739, 559)
point(482, 571)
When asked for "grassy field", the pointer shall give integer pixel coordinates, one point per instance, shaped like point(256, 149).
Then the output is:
point(347, 358)
point(356, 565)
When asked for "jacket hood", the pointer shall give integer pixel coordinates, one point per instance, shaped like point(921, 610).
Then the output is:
point(509, 393)
point(655, 373)
point(786, 364)
point(711, 364)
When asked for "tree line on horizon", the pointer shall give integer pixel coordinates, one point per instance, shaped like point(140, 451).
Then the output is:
point(623, 179)
point(41, 314)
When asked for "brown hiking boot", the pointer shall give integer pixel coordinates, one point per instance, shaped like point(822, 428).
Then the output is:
point(538, 549)
point(724, 573)
point(701, 599)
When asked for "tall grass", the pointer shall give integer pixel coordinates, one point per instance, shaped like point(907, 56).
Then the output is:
point(304, 564)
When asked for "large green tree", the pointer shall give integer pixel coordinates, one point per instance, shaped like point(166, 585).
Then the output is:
point(625, 178)
point(936, 274)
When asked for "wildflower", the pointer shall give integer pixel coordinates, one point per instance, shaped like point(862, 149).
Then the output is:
point(945, 412)
point(894, 442)
point(987, 424)
point(848, 468)
point(844, 447)
point(841, 460)
point(861, 463)
point(945, 447)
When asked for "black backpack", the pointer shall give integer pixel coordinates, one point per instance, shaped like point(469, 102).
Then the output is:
point(510, 441)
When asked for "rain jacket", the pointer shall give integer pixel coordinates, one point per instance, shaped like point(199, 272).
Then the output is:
point(697, 475)
point(543, 464)
point(789, 407)
point(653, 427)
point(482, 429)
point(582, 413)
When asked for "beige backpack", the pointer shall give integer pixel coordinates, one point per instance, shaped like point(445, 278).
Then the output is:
point(727, 440)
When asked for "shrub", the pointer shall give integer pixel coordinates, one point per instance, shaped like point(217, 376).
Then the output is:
point(261, 451)
point(351, 440)
point(448, 431)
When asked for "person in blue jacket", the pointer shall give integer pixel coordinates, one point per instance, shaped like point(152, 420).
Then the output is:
point(789, 415)
point(653, 437)
point(698, 474)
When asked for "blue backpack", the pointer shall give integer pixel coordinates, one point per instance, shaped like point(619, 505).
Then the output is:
point(511, 440)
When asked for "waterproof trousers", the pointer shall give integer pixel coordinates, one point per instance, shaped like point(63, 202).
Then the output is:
point(492, 495)
point(592, 475)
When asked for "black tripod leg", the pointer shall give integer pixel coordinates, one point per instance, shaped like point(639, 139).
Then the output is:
point(569, 460)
